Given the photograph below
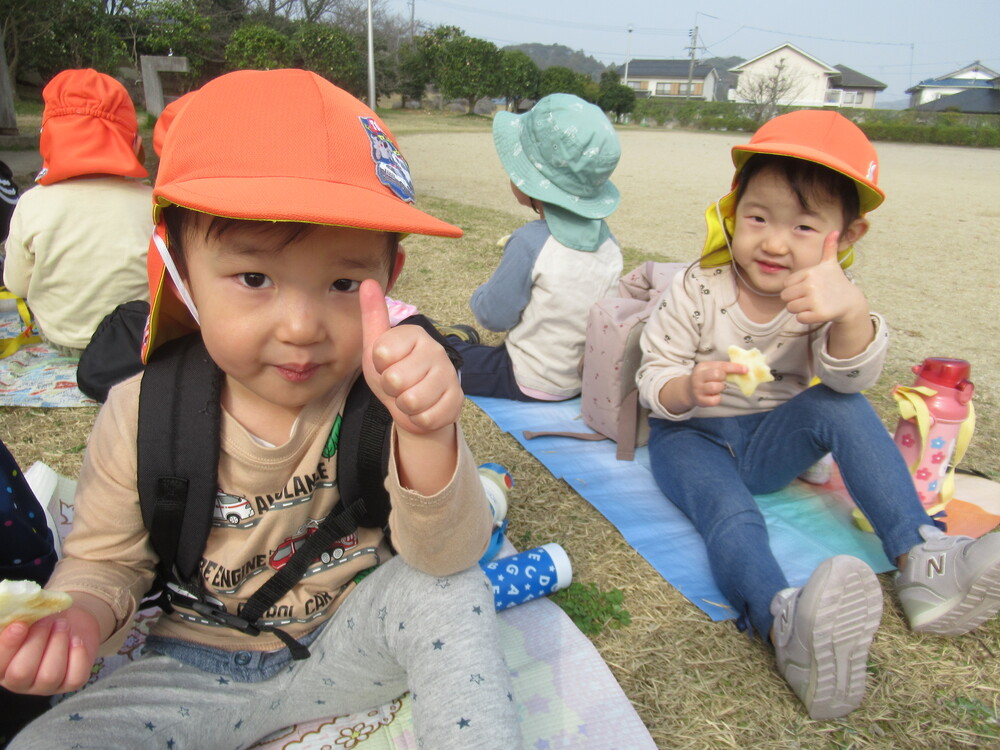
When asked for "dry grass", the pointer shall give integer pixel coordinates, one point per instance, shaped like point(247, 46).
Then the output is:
point(696, 684)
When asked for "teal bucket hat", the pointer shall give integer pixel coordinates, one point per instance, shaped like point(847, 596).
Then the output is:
point(561, 152)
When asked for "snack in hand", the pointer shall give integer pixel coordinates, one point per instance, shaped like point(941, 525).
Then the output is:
point(26, 601)
point(757, 370)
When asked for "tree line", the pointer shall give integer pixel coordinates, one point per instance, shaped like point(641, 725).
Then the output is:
point(329, 37)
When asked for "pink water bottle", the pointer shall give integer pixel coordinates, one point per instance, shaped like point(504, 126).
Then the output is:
point(943, 386)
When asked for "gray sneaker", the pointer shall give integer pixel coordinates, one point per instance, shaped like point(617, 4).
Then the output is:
point(950, 584)
point(822, 633)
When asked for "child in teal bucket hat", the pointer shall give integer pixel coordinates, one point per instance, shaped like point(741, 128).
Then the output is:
point(559, 157)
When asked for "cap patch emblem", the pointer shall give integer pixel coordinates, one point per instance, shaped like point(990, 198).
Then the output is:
point(390, 166)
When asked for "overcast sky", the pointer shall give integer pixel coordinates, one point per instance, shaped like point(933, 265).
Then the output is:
point(898, 43)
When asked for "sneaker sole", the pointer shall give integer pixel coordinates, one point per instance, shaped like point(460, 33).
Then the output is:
point(980, 604)
point(847, 616)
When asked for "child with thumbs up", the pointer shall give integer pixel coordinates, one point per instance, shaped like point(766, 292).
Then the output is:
point(279, 205)
point(772, 277)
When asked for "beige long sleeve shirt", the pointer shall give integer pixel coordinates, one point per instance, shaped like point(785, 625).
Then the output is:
point(697, 319)
point(269, 498)
point(76, 250)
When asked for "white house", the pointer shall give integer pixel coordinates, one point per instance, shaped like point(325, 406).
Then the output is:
point(795, 78)
point(673, 79)
point(971, 77)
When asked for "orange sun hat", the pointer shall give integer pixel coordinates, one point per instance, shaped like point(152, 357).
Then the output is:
point(823, 137)
point(166, 119)
point(88, 127)
point(278, 145)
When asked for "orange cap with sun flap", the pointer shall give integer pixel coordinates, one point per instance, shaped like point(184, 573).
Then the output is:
point(88, 127)
point(278, 145)
point(820, 136)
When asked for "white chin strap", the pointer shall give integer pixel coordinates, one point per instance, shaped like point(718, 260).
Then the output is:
point(732, 258)
point(175, 276)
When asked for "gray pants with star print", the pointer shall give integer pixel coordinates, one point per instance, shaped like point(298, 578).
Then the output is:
point(399, 630)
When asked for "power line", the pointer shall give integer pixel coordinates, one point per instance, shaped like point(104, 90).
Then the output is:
point(559, 23)
point(820, 38)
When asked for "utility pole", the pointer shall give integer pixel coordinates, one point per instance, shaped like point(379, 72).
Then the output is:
point(413, 10)
point(694, 49)
point(371, 60)
point(628, 52)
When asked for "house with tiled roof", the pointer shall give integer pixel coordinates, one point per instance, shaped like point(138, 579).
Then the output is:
point(671, 79)
point(971, 78)
point(852, 89)
point(801, 80)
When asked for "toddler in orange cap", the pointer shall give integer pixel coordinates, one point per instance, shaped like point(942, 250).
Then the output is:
point(772, 278)
point(78, 240)
point(280, 201)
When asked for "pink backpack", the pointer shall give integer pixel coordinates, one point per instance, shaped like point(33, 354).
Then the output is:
point(611, 357)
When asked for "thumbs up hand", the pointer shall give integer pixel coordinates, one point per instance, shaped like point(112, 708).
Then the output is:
point(823, 293)
point(406, 369)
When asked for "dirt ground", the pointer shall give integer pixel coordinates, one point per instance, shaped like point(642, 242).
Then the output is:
point(929, 263)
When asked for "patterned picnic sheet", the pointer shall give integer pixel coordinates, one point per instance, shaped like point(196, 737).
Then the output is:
point(566, 695)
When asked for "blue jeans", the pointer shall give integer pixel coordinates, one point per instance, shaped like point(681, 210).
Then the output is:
point(711, 468)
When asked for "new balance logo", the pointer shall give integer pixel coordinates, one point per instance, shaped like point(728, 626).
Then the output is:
point(935, 566)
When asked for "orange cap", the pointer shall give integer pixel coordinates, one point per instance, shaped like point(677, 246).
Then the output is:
point(88, 127)
point(165, 119)
point(824, 137)
point(278, 145)
point(820, 136)
point(288, 145)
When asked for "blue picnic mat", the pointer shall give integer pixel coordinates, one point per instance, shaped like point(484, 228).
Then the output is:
point(806, 523)
point(36, 375)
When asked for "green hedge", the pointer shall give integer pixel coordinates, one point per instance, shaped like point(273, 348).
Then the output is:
point(904, 126)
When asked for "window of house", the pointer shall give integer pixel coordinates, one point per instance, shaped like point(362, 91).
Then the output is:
point(853, 98)
point(685, 89)
point(663, 89)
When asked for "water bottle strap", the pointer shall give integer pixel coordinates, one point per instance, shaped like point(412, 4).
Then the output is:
point(913, 408)
point(961, 445)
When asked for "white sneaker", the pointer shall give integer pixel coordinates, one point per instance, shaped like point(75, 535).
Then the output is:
point(822, 633)
point(950, 584)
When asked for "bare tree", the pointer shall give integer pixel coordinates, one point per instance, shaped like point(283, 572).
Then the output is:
point(764, 92)
point(351, 15)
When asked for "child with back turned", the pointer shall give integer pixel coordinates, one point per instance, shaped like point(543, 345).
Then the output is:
point(279, 205)
point(772, 277)
point(78, 239)
point(559, 157)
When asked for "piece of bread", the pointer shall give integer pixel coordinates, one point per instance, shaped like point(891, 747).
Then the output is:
point(26, 601)
point(757, 370)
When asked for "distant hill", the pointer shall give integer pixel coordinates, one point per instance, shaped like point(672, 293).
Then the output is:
point(727, 80)
point(548, 55)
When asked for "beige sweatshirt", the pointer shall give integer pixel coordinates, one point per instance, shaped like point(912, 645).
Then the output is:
point(269, 499)
point(76, 250)
point(697, 319)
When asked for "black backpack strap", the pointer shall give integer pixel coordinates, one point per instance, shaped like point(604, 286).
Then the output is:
point(178, 459)
point(363, 455)
point(335, 526)
point(178, 453)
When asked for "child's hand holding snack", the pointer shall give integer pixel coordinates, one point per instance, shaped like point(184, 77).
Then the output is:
point(51, 655)
point(708, 380)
